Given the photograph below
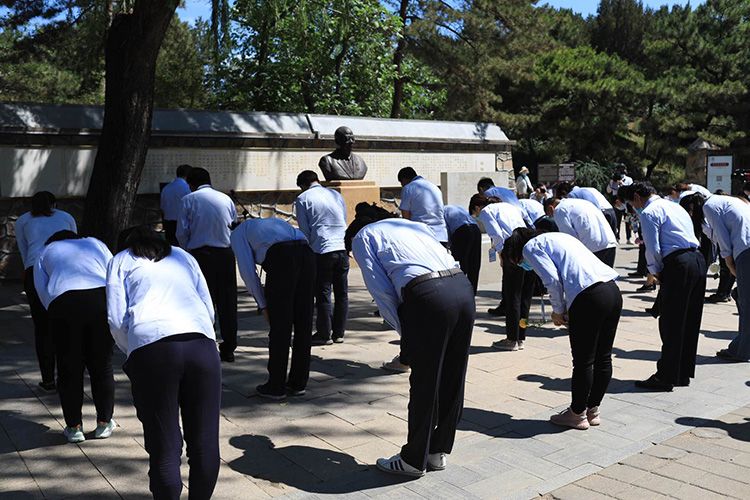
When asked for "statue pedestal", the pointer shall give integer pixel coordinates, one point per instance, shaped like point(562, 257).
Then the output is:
point(355, 192)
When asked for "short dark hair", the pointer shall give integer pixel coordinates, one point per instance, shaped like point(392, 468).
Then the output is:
point(746, 186)
point(693, 204)
point(641, 188)
point(546, 224)
point(563, 189)
point(65, 234)
point(366, 214)
point(306, 178)
point(183, 170)
point(478, 201)
point(406, 174)
point(144, 242)
point(484, 184)
point(513, 246)
point(549, 201)
point(198, 176)
point(42, 204)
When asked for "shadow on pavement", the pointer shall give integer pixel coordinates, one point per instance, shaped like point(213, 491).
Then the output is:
point(502, 425)
point(739, 431)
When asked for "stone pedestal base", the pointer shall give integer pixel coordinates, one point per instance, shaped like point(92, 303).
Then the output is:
point(355, 192)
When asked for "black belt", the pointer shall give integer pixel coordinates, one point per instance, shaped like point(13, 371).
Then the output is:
point(288, 243)
point(430, 276)
point(679, 252)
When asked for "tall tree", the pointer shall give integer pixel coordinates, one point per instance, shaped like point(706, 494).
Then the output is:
point(398, 60)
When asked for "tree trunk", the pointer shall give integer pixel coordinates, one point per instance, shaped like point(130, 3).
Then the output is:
point(398, 59)
point(133, 43)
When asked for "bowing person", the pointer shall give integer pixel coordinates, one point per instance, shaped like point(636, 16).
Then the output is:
point(672, 257)
point(286, 302)
point(465, 241)
point(32, 230)
point(593, 196)
point(583, 221)
point(70, 277)
point(532, 210)
point(161, 315)
point(422, 201)
point(203, 230)
point(170, 200)
point(424, 295)
point(585, 297)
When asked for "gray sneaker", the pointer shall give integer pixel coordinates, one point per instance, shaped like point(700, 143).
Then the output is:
point(505, 345)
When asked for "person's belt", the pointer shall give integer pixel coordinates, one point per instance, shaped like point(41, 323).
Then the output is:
point(680, 252)
point(288, 243)
point(447, 273)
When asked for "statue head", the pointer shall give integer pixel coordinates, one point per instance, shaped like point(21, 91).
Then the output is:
point(344, 138)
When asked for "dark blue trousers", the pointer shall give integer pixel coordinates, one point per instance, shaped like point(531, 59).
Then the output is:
point(180, 374)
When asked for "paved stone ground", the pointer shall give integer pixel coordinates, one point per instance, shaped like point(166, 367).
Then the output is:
point(324, 444)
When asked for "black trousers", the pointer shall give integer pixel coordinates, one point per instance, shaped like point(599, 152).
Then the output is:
point(178, 375)
point(43, 340)
point(290, 289)
point(592, 324)
point(642, 266)
point(170, 232)
point(78, 322)
point(607, 256)
point(466, 247)
point(518, 290)
point(332, 274)
point(620, 215)
point(218, 267)
point(683, 285)
point(609, 214)
point(726, 279)
point(437, 318)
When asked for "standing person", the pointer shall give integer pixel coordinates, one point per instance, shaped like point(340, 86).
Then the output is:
point(465, 241)
point(286, 302)
point(500, 220)
point(729, 220)
point(321, 216)
point(523, 183)
point(161, 315)
point(672, 257)
point(429, 301)
point(70, 277)
point(32, 230)
point(584, 297)
point(422, 201)
point(170, 201)
point(583, 221)
point(203, 230)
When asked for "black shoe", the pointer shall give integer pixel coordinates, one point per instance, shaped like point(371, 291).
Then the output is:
point(653, 383)
point(646, 288)
point(684, 382)
point(320, 339)
point(498, 311)
point(717, 298)
point(48, 386)
point(728, 356)
point(338, 340)
point(226, 356)
point(653, 311)
point(636, 275)
point(294, 393)
point(266, 391)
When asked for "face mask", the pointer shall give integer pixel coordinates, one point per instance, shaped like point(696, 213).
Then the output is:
point(639, 211)
point(525, 266)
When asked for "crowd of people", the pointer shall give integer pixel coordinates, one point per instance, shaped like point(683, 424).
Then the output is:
point(160, 297)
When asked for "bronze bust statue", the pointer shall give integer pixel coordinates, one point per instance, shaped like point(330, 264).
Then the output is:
point(342, 164)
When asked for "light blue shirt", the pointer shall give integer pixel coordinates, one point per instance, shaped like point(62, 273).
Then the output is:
point(666, 228)
point(500, 220)
point(729, 222)
point(424, 201)
point(565, 266)
point(532, 210)
point(78, 264)
point(321, 215)
point(697, 188)
point(585, 222)
point(204, 220)
point(33, 232)
point(591, 195)
point(456, 217)
point(506, 195)
point(250, 242)
point(390, 254)
point(147, 300)
point(171, 198)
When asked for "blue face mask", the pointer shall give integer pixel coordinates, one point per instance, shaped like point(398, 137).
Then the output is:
point(525, 266)
point(639, 211)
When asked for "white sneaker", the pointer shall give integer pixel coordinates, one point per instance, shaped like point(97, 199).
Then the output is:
point(437, 461)
point(520, 344)
point(103, 431)
point(506, 345)
point(395, 365)
point(593, 416)
point(395, 465)
point(74, 434)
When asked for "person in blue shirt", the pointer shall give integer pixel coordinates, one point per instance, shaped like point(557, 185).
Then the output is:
point(486, 187)
point(465, 240)
point(321, 216)
point(170, 200)
point(586, 299)
point(423, 294)
point(728, 223)
point(286, 301)
point(672, 256)
point(592, 195)
point(422, 201)
point(584, 221)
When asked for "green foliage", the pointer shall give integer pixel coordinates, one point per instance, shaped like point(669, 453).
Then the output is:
point(594, 174)
point(179, 69)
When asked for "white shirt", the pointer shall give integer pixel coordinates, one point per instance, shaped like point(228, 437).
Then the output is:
point(666, 228)
point(65, 265)
point(523, 185)
point(171, 198)
point(390, 254)
point(147, 300)
point(321, 216)
point(592, 195)
point(532, 210)
point(565, 266)
point(729, 221)
point(697, 188)
point(250, 242)
point(33, 232)
point(584, 221)
point(499, 220)
point(204, 220)
point(424, 201)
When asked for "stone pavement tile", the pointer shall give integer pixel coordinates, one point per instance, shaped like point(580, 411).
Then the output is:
point(367, 453)
point(502, 484)
point(387, 427)
point(680, 472)
point(602, 484)
point(661, 484)
point(723, 485)
point(104, 494)
point(567, 477)
point(231, 484)
point(666, 452)
point(718, 467)
point(431, 486)
point(624, 473)
point(541, 468)
point(645, 462)
point(320, 459)
point(694, 444)
point(637, 493)
point(458, 475)
point(574, 492)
